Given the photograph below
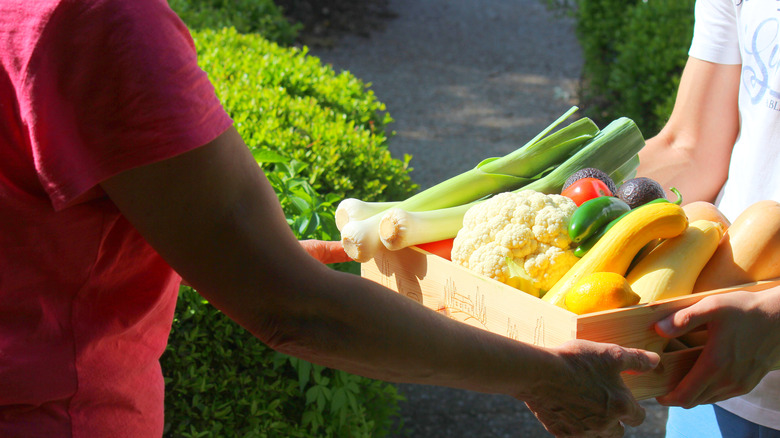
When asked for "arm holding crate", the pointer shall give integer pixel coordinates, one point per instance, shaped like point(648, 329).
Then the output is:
point(719, 146)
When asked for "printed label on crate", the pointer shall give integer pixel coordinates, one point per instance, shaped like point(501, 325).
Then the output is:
point(472, 304)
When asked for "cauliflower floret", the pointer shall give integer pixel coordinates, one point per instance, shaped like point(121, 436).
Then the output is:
point(518, 238)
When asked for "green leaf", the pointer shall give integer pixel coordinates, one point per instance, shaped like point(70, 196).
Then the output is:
point(266, 156)
point(339, 400)
point(304, 373)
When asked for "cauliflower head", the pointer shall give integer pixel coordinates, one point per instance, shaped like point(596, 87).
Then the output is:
point(518, 238)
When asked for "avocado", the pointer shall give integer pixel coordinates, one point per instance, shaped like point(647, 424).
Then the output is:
point(591, 172)
point(639, 191)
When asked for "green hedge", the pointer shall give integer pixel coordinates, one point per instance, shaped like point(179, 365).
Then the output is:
point(597, 25)
point(285, 100)
point(247, 16)
point(634, 52)
point(319, 136)
point(651, 53)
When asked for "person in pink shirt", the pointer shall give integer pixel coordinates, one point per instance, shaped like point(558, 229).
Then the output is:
point(121, 174)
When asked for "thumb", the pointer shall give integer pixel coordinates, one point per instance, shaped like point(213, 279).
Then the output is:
point(679, 323)
point(326, 251)
point(635, 360)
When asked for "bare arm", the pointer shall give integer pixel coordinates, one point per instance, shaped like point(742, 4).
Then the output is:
point(213, 216)
point(693, 150)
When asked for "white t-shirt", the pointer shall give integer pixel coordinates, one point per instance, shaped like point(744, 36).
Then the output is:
point(747, 33)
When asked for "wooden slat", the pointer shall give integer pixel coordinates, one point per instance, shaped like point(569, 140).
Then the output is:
point(633, 326)
point(473, 299)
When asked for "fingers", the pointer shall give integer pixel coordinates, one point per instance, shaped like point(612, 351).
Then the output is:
point(639, 361)
point(326, 251)
point(635, 414)
point(562, 423)
point(599, 403)
point(687, 391)
point(703, 381)
point(685, 320)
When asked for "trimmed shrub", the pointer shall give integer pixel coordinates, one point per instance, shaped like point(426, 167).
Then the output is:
point(223, 382)
point(634, 53)
point(652, 48)
point(597, 24)
point(286, 101)
point(248, 16)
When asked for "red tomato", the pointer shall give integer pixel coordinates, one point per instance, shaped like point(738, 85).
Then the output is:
point(442, 248)
point(585, 189)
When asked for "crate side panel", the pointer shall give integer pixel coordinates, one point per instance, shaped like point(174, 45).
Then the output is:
point(470, 298)
point(633, 326)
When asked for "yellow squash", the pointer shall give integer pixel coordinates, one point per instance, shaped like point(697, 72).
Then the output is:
point(748, 252)
point(615, 250)
point(671, 268)
point(705, 210)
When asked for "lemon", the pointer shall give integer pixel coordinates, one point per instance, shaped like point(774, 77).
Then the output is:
point(600, 291)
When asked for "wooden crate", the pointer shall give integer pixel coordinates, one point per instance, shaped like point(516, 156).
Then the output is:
point(491, 305)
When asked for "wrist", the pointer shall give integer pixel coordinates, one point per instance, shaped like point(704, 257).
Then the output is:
point(546, 365)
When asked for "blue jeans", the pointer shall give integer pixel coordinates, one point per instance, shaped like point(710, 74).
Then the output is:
point(711, 421)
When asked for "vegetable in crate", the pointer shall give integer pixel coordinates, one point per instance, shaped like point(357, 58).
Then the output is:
point(442, 248)
point(587, 243)
point(640, 191)
point(705, 210)
point(585, 189)
point(671, 268)
point(593, 215)
point(749, 250)
point(591, 172)
point(400, 228)
point(542, 165)
point(617, 248)
point(600, 291)
point(518, 238)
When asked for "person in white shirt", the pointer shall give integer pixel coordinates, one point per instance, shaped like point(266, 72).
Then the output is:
point(722, 144)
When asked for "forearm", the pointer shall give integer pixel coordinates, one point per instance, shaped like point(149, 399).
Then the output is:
point(672, 162)
point(300, 307)
point(693, 150)
point(361, 327)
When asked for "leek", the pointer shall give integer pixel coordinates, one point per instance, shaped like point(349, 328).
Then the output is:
point(626, 171)
point(613, 151)
point(400, 228)
point(352, 209)
point(491, 175)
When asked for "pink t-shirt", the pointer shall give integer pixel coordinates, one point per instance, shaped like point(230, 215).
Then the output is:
point(88, 88)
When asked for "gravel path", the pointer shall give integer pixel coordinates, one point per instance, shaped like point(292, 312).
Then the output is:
point(465, 80)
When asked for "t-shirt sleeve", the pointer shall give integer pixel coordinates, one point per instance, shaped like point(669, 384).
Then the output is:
point(715, 32)
point(113, 85)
